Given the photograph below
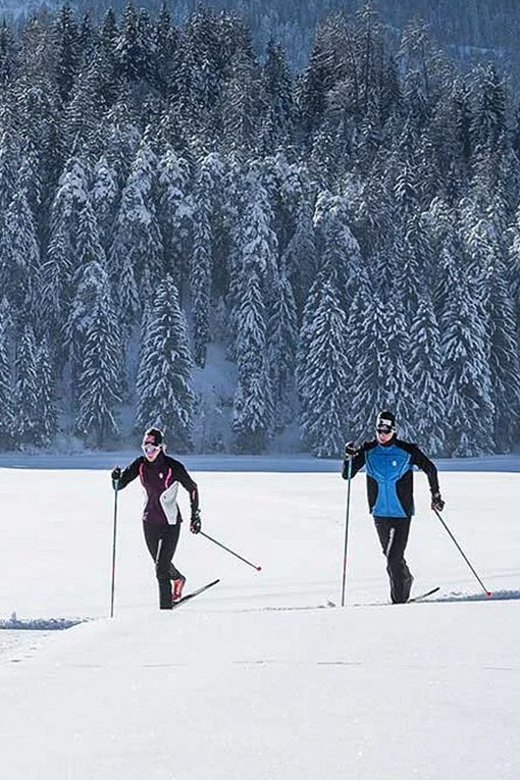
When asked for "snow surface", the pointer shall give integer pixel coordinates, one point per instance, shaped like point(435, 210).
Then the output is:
point(257, 678)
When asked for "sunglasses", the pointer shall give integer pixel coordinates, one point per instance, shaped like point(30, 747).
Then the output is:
point(149, 448)
point(384, 429)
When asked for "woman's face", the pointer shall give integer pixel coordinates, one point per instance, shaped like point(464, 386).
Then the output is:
point(151, 451)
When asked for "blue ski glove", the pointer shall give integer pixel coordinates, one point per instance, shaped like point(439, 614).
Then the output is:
point(195, 524)
point(437, 502)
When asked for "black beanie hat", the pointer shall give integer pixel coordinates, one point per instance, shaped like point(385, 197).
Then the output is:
point(386, 419)
point(153, 436)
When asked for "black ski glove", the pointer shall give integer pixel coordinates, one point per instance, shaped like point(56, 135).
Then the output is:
point(195, 524)
point(116, 476)
point(437, 502)
point(351, 450)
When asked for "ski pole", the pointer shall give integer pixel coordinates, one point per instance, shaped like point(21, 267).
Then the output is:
point(486, 591)
point(115, 485)
point(258, 568)
point(347, 513)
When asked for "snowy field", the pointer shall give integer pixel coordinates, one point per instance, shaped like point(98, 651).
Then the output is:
point(258, 678)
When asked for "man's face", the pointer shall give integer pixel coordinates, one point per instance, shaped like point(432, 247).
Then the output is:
point(384, 434)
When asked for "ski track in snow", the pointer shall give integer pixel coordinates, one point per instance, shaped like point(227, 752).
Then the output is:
point(13, 624)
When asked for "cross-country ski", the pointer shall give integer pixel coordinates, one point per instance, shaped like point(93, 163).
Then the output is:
point(194, 593)
point(423, 596)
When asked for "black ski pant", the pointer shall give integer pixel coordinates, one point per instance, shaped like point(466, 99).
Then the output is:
point(161, 541)
point(393, 535)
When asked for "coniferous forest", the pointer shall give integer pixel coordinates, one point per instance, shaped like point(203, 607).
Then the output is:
point(335, 239)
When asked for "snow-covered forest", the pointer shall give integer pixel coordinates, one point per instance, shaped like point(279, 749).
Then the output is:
point(472, 30)
point(174, 208)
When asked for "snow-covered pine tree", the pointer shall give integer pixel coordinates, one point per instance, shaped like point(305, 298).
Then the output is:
point(489, 116)
point(241, 104)
point(29, 181)
point(7, 402)
point(300, 257)
point(199, 61)
point(513, 265)
point(165, 43)
point(137, 244)
point(337, 247)
point(281, 349)
point(467, 376)
point(293, 190)
point(278, 124)
point(366, 354)
point(415, 368)
point(398, 391)
point(252, 405)
point(504, 358)
point(104, 196)
point(82, 125)
point(100, 377)
point(8, 53)
point(88, 245)
point(133, 45)
point(55, 287)
point(70, 195)
point(46, 378)
point(426, 407)
point(211, 186)
point(254, 274)
point(323, 371)
point(9, 161)
point(20, 254)
point(200, 282)
point(257, 245)
point(372, 77)
point(484, 217)
point(164, 394)
point(27, 401)
point(176, 214)
point(89, 278)
point(320, 74)
point(58, 266)
point(105, 64)
point(67, 51)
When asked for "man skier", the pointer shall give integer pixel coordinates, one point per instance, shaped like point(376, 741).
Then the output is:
point(389, 464)
point(160, 476)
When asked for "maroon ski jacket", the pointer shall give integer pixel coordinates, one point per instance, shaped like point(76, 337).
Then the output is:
point(160, 479)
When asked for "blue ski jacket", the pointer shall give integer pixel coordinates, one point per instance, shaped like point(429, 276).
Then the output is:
point(389, 469)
